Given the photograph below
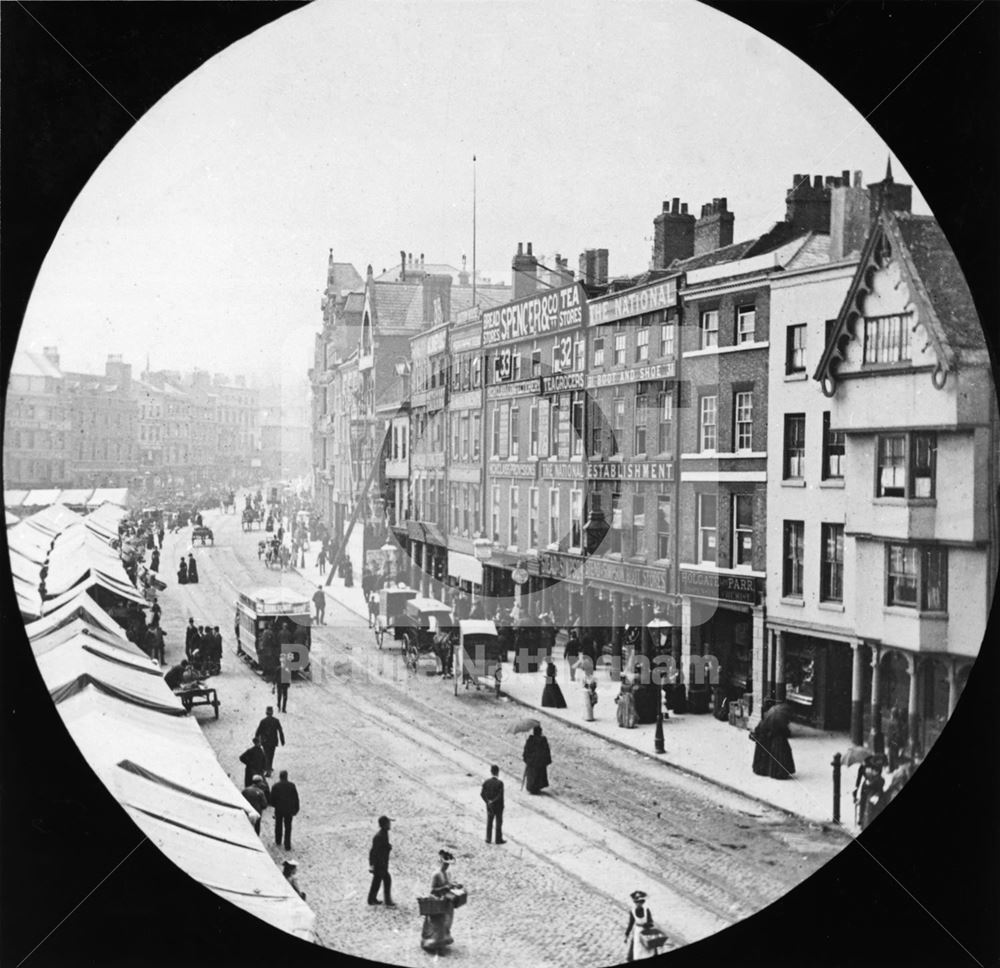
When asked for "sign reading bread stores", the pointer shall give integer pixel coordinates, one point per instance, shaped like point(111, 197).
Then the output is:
point(634, 302)
point(537, 315)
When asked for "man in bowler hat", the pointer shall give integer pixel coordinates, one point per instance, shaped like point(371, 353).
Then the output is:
point(378, 864)
point(492, 794)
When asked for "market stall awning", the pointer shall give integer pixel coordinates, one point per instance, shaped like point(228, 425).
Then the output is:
point(40, 498)
point(83, 607)
point(14, 499)
point(109, 495)
point(76, 498)
point(12, 519)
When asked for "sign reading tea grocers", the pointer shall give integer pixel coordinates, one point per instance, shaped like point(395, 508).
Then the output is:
point(537, 315)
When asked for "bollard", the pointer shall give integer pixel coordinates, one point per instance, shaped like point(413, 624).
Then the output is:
point(658, 738)
point(836, 787)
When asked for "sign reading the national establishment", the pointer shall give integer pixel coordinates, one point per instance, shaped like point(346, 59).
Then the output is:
point(535, 315)
point(631, 470)
point(726, 588)
point(622, 305)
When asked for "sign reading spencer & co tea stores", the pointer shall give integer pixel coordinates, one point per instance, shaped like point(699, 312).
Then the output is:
point(631, 470)
point(621, 573)
point(634, 374)
point(622, 305)
point(535, 315)
point(744, 589)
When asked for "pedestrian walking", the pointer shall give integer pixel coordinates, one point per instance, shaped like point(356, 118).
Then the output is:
point(626, 703)
point(285, 801)
point(269, 733)
point(321, 560)
point(284, 680)
point(378, 864)
point(436, 933)
point(772, 752)
point(255, 794)
point(159, 536)
point(348, 573)
point(537, 759)
point(290, 869)
point(154, 560)
point(373, 606)
point(552, 696)
point(571, 653)
point(254, 760)
point(192, 570)
point(492, 794)
point(182, 573)
point(643, 939)
point(319, 600)
point(369, 583)
point(896, 736)
point(589, 693)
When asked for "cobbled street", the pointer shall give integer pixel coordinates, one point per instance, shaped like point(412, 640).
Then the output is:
point(365, 738)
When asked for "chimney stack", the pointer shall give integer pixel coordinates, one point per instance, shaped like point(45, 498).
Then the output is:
point(524, 272)
point(807, 205)
point(594, 267)
point(673, 235)
point(402, 266)
point(714, 230)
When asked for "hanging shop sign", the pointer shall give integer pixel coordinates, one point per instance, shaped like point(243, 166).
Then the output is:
point(634, 374)
point(631, 470)
point(535, 315)
point(744, 589)
point(622, 305)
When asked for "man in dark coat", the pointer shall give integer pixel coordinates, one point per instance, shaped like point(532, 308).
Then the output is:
point(378, 864)
point(492, 794)
point(175, 676)
point(154, 561)
point(190, 638)
point(269, 732)
point(285, 800)
point(254, 761)
point(255, 794)
point(192, 570)
point(319, 600)
point(537, 758)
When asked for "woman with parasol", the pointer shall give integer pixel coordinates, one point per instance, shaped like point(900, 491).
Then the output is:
point(537, 759)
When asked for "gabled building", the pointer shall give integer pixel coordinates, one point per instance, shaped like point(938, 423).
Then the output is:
point(906, 374)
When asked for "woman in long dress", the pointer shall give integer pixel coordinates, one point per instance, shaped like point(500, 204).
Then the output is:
point(589, 695)
point(537, 758)
point(192, 570)
point(760, 736)
point(639, 918)
point(626, 704)
point(436, 933)
point(182, 573)
point(552, 695)
point(780, 764)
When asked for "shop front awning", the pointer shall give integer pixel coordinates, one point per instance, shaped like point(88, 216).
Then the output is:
point(465, 567)
point(415, 531)
point(434, 534)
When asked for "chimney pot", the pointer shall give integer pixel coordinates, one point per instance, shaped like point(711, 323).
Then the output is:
point(845, 178)
point(723, 204)
point(817, 181)
point(675, 206)
point(666, 206)
point(520, 248)
point(857, 179)
point(529, 248)
point(684, 208)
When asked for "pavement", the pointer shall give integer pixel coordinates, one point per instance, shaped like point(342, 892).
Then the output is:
point(699, 745)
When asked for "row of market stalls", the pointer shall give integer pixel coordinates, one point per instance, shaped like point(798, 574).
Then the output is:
point(128, 724)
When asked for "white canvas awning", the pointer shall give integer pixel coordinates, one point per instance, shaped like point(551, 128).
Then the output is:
point(109, 495)
point(465, 567)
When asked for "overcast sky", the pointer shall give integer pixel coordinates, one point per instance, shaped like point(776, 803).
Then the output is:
point(203, 238)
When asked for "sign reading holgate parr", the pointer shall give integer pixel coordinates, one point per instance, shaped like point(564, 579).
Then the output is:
point(744, 589)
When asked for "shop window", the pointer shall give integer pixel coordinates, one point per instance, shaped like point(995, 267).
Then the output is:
point(832, 564)
point(533, 517)
point(795, 349)
point(742, 530)
point(514, 514)
point(834, 453)
point(638, 524)
point(642, 346)
point(664, 522)
point(743, 412)
point(554, 530)
point(917, 577)
point(576, 519)
point(619, 349)
point(598, 351)
point(746, 324)
point(707, 528)
point(800, 673)
point(708, 329)
point(795, 446)
point(707, 424)
point(887, 338)
point(794, 539)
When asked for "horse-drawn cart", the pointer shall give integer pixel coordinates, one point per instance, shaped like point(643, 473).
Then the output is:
point(391, 605)
point(271, 622)
point(479, 657)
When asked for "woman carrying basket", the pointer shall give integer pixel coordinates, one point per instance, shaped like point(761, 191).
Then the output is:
point(436, 934)
point(642, 938)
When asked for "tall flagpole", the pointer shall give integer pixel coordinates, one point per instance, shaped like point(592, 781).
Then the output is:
point(473, 230)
